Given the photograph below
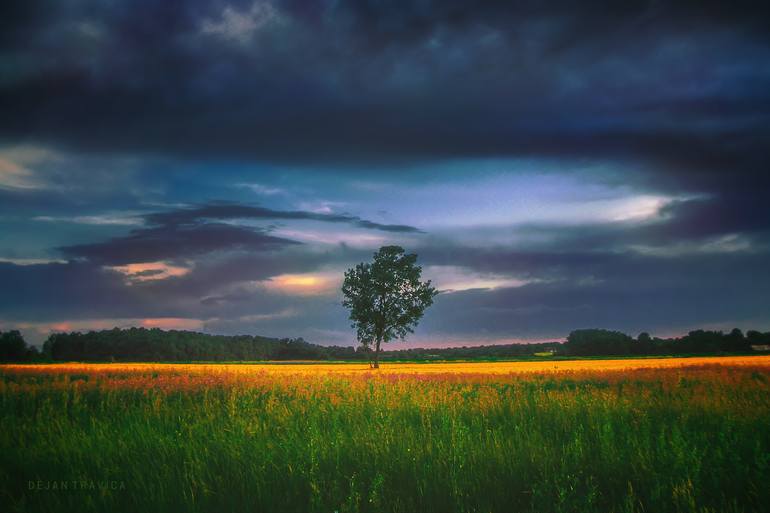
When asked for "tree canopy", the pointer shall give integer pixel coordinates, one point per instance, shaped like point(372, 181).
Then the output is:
point(13, 347)
point(599, 342)
point(140, 344)
point(386, 297)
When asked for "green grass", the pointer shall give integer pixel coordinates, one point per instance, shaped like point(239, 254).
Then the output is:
point(654, 441)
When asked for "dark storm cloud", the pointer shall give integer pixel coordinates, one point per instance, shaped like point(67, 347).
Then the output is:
point(682, 84)
point(691, 222)
point(674, 96)
point(210, 275)
point(190, 232)
point(57, 291)
point(667, 98)
point(724, 214)
point(224, 211)
point(82, 290)
point(619, 290)
point(170, 242)
point(630, 293)
point(218, 284)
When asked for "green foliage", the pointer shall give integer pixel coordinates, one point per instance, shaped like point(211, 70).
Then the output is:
point(140, 344)
point(590, 342)
point(386, 298)
point(13, 348)
point(599, 342)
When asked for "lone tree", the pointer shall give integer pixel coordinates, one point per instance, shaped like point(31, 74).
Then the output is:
point(386, 298)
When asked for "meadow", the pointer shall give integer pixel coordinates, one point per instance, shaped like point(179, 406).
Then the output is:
point(669, 435)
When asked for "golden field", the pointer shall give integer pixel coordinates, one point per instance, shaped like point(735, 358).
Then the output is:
point(491, 368)
point(626, 435)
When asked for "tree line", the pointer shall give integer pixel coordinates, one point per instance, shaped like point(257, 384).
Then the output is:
point(599, 342)
point(13, 348)
point(142, 344)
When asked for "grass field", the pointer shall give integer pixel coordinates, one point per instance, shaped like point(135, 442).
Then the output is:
point(679, 435)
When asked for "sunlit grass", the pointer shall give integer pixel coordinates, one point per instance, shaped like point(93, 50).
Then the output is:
point(314, 368)
point(626, 435)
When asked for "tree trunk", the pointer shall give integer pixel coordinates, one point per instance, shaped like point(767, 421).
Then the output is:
point(377, 355)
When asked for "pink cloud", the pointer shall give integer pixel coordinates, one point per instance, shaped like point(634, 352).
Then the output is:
point(172, 323)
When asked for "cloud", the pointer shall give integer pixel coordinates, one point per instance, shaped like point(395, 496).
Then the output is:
point(174, 241)
point(625, 292)
point(454, 278)
point(32, 261)
point(190, 232)
point(104, 219)
point(263, 190)
point(150, 271)
point(282, 314)
point(241, 26)
point(227, 211)
point(222, 286)
point(57, 291)
point(225, 277)
point(16, 163)
point(306, 284)
point(13, 176)
point(375, 83)
point(606, 165)
point(171, 323)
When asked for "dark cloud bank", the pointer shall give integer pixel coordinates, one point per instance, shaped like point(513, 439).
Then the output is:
point(190, 232)
point(673, 98)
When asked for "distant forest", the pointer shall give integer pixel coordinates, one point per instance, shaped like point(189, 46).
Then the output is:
point(141, 344)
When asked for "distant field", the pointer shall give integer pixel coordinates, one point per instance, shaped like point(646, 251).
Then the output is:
point(629, 435)
point(313, 367)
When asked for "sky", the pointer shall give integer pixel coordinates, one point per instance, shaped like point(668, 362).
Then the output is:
point(216, 166)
